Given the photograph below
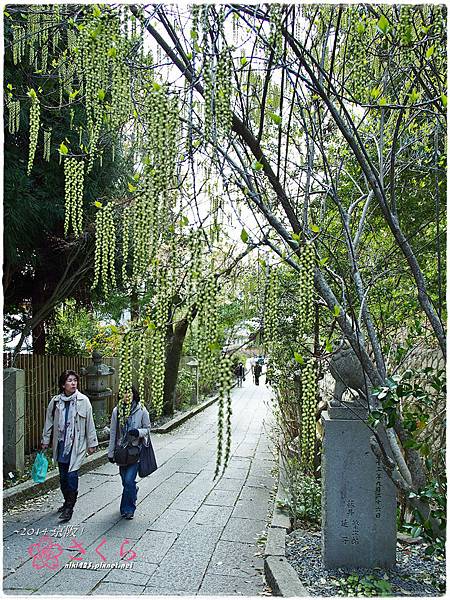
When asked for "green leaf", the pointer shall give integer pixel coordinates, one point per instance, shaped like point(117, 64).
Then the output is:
point(101, 94)
point(336, 310)
point(296, 237)
point(244, 236)
point(275, 118)
point(63, 149)
point(383, 24)
point(32, 94)
point(429, 53)
point(382, 101)
point(151, 325)
point(136, 176)
point(131, 187)
point(98, 204)
point(194, 34)
point(244, 61)
point(96, 11)
point(444, 100)
point(156, 86)
point(323, 261)
point(74, 94)
point(257, 166)
point(315, 228)
point(328, 346)
point(360, 28)
point(414, 95)
point(299, 358)
point(112, 53)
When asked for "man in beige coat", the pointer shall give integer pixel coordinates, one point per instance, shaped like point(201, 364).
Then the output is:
point(69, 418)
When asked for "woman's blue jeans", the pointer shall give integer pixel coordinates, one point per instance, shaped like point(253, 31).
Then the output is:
point(129, 494)
point(68, 480)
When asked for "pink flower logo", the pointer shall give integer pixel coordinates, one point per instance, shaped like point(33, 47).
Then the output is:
point(45, 553)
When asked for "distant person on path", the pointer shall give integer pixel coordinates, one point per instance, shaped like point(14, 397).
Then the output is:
point(69, 418)
point(135, 432)
point(257, 372)
point(239, 372)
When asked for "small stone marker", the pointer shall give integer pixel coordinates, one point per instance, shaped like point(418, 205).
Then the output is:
point(13, 419)
point(358, 498)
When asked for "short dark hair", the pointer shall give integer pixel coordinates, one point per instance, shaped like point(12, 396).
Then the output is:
point(64, 377)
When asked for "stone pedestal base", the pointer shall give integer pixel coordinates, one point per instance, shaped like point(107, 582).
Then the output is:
point(358, 499)
point(13, 419)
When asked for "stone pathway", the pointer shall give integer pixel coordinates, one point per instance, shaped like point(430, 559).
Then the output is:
point(191, 535)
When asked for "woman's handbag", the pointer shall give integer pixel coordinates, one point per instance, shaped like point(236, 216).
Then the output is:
point(126, 455)
point(39, 468)
point(147, 460)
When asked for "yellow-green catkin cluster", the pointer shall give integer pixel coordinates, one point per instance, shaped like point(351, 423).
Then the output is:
point(276, 33)
point(271, 316)
point(105, 248)
point(125, 377)
point(13, 115)
point(308, 422)
point(225, 380)
point(356, 58)
point(35, 111)
point(47, 143)
point(308, 375)
point(157, 343)
point(306, 288)
point(207, 343)
point(74, 190)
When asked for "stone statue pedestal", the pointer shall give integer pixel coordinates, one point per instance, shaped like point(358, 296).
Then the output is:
point(358, 498)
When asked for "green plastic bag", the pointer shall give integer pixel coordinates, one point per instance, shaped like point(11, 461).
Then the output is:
point(40, 468)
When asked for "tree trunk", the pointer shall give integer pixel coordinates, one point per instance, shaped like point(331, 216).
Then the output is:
point(173, 357)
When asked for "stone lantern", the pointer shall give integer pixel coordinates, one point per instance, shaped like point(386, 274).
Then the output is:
point(96, 388)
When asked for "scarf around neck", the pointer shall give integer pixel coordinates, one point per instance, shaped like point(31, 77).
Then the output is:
point(68, 429)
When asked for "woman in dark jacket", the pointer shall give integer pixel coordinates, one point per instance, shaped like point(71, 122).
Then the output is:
point(135, 432)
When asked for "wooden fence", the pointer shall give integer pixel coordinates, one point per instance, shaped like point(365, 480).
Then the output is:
point(41, 383)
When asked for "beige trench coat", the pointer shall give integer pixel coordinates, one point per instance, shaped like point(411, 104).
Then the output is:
point(85, 435)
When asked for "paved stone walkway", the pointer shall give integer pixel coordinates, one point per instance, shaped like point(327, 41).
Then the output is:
point(191, 535)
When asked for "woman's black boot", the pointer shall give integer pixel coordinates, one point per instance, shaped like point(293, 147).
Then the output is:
point(67, 513)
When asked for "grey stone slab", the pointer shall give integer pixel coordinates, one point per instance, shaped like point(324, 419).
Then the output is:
point(153, 546)
point(243, 530)
point(256, 494)
point(235, 559)
point(260, 481)
point(221, 585)
point(282, 578)
point(15, 551)
point(142, 567)
point(106, 469)
point(115, 589)
point(229, 484)
point(68, 581)
point(222, 497)
point(199, 540)
point(276, 542)
point(249, 509)
point(192, 497)
point(236, 473)
point(172, 520)
point(34, 577)
point(19, 592)
point(216, 516)
point(182, 571)
point(130, 575)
